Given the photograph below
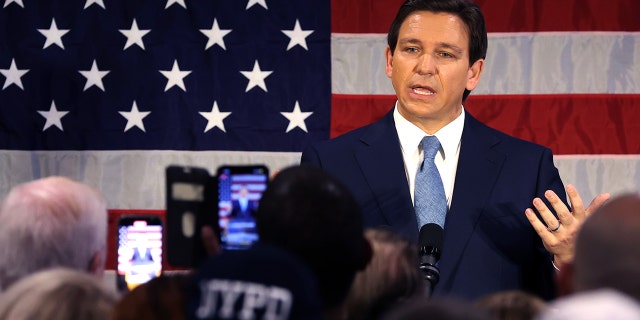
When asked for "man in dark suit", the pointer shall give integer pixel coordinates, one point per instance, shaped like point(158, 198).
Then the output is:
point(242, 206)
point(141, 256)
point(434, 58)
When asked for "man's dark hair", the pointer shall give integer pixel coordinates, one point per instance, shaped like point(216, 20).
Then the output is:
point(466, 10)
point(308, 212)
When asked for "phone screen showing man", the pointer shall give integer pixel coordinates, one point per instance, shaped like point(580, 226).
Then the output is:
point(239, 193)
point(139, 251)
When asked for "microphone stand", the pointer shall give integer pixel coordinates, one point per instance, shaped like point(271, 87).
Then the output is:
point(428, 258)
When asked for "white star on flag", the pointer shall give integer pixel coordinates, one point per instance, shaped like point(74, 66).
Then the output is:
point(180, 2)
point(134, 117)
point(98, 2)
point(296, 118)
point(8, 2)
point(215, 118)
point(215, 35)
point(94, 77)
point(260, 2)
point(13, 75)
point(53, 117)
point(53, 34)
point(175, 77)
point(256, 77)
point(297, 36)
point(134, 35)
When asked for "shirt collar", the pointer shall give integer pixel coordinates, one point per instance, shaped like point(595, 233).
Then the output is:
point(410, 135)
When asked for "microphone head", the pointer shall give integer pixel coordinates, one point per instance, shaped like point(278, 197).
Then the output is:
point(430, 239)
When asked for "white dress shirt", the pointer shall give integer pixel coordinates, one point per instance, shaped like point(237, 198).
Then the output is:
point(447, 158)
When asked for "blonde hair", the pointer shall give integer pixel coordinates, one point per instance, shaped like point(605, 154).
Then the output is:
point(50, 222)
point(58, 294)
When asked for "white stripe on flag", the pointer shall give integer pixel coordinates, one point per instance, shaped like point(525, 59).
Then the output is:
point(517, 63)
point(136, 178)
point(128, 179)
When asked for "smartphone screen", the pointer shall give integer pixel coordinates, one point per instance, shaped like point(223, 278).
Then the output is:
point(239, 191)
point(139, 250)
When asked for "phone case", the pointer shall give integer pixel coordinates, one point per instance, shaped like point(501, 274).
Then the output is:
point(191, 198)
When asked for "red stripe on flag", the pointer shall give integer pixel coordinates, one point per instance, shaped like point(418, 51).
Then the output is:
point(350, 111)
point(369, 16)
point(363, 16)
point(568, 124)
point(564, 15)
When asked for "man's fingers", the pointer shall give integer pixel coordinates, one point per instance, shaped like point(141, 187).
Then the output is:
point(549, 218)
point(576, 203)
point(597, 202)
point(210, 241)
point(538, 226)
point(564, 215)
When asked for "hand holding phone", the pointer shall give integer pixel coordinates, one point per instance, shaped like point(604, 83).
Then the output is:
point(226, 204)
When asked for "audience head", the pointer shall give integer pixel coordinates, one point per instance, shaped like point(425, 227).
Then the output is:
point(466, 10)
point(512, 305)
point(391, 277)
point(313, 215)
point(439, 308)
point(163, 297)
point(606, 255)
point(601, 304)
point(51, 222)
point(58, 294)
point(262, 282)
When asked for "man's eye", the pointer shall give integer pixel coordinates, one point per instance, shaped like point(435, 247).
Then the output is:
point(446, 55)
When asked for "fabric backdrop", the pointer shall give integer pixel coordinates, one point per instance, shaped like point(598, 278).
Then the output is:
point(134, 86)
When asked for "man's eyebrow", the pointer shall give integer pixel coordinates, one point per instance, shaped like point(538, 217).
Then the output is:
point(409, 41)
point(450, 46)
point(442, 45)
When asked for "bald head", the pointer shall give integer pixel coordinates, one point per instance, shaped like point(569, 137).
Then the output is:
point(51, 222)
point(606, 248)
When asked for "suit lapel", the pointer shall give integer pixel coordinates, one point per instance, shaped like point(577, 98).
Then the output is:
point(478, 167)
point(382, 165)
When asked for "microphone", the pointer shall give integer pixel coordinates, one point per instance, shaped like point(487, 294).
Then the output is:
point(429, 248)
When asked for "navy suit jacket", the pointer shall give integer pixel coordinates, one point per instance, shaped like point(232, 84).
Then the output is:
point(248, 212)
point(489, 245)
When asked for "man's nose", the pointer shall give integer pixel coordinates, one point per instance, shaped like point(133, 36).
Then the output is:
point(426, 65)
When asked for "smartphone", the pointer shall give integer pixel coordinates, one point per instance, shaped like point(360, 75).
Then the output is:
point(139, 250)
point(191, 202)
point(240, 189)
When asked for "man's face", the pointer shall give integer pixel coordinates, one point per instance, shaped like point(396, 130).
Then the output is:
point(243, 192)
point(430, 68)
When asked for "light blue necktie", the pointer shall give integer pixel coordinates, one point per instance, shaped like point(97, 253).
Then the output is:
point(430, 200)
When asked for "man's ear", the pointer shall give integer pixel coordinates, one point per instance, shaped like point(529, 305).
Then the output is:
point(473, 74)
point(389, 64)
point(564, 279)
point(96, 264)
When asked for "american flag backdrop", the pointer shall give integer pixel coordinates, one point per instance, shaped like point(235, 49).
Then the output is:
point(110, 92)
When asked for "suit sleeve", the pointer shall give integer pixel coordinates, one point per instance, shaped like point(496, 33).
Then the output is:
point(310, 156)
point(549, 178)
point(543, 280)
